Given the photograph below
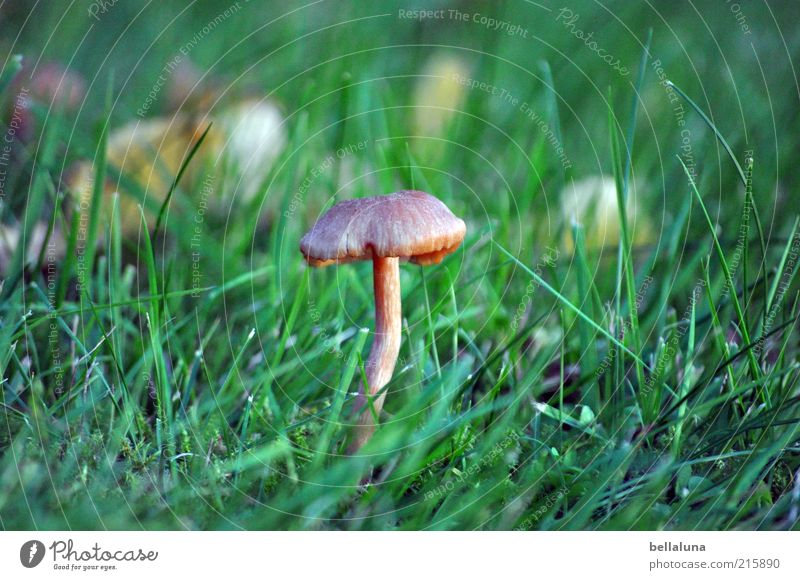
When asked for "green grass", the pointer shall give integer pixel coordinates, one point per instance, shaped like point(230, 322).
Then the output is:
point(644, 386)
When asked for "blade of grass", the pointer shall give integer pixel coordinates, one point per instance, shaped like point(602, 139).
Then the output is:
point(181, 171)
point(98, 189)
point(345, 380)
point(625, 270)
point(570, 305)
point(153, 320)
point(779, 272)
point(34, 204)
point(716, 326)
point(728, 149)
point(585, 290)
point(743, 326)
point(625, 256)
point(428, 317)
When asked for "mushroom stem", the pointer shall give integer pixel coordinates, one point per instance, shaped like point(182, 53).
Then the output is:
point(385, 346)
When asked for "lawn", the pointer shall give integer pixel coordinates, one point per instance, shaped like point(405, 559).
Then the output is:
point(613, 346)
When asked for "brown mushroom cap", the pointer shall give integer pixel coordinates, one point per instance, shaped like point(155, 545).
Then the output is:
point(407, 224)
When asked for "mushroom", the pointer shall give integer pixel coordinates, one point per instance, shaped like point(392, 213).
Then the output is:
point(383, 228)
